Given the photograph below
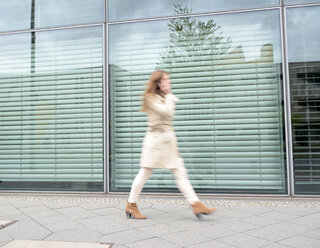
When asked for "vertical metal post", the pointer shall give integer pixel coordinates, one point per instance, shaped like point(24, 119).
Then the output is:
point(33, 35)
point(105, 103)
point(32, 76)
point(287, 103)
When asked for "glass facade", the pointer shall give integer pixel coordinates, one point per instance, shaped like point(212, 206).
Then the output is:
point(248, 117)
point(304, 66)
point(229, 117)
point(29, 14)
point(50, 13)
point(51, 94)
point(137, 9)
point(15, 15)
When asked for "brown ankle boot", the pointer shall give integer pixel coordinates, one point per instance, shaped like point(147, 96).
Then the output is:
point(199, 208)
point(132, 211)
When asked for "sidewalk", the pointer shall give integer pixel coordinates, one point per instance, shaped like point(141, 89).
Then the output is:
point(275, 223)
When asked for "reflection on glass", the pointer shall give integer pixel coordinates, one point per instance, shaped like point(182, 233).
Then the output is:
point(226, 71)
point(218, 5)
point(135, 9)
point(61, 12)
point(15, 15)
point(304, 66)
point(51, 110)
point(19, 15)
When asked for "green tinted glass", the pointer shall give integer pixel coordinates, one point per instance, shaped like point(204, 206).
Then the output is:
point(15, 15)
point(50, 13)
point(304, 68)
point(51, 110)
point(226, 70)
point(135, 9)
point(27, 14)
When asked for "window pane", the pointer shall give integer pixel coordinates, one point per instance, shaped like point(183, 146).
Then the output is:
point(51, 110)
point(19, 15)
point(51, 13)
point(301, 1)
point(135, 9)
point(304, 66)
point(15, 15)
point(219, 5)
point(226, 71)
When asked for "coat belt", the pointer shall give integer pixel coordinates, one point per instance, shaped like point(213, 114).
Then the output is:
point(160, 129)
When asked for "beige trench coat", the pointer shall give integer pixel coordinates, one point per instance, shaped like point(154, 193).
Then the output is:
point(160, 148)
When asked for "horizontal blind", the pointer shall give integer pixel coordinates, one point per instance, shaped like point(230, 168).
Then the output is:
point(305, 102)
point(51, 108)
point(228, 121)
point(304, 72)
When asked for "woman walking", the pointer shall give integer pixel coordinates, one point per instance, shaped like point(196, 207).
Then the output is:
point(160, 149)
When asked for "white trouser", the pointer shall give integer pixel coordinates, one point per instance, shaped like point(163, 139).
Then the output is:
point(182, 181)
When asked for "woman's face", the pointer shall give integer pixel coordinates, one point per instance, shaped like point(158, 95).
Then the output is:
point(165, 84)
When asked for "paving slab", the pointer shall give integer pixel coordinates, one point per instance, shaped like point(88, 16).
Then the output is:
point(153, 243)
point(25, 230)
point(62, 226)
point(274, 233)
point(5, 223)
point(170, 222)
point(307, 221)
point(8, 210)
point(33, 209)
point(126, 237)
point(275, 245)
point(103, 225)
point(211, 244)
point(238, 226)
point(76, 213)
point(42, 214)
point(52, 244)
point(299, 241)
point(279, 216)
point(261, 221)
point(184, 238)
point(76, 235)
point(244, 241)
point(296, 211)
point(212, 232)
point(313, 234)
point(4, 238)
point(160, 229)
point(250, 210)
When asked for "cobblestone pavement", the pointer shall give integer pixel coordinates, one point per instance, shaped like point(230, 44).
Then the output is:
point(239, 222)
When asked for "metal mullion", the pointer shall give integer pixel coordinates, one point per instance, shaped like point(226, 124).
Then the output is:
point(193, 15)
point(209, 13)
point(105, 11)
point(302, 5)
point(107, 111)
point(229, 195)
point(105, 120)
point(306, 196)
point(50, 29)
point(287, 103)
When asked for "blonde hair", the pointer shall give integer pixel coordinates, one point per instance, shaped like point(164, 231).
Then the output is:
point(152, 87)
